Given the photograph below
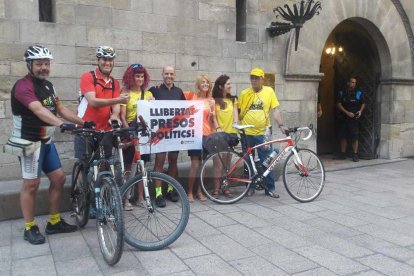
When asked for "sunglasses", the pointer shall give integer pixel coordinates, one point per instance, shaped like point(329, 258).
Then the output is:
point(136, 65)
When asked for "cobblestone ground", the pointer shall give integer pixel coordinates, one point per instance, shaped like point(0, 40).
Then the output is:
point(362, 224)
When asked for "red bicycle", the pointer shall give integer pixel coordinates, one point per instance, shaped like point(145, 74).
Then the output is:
point(232, 173)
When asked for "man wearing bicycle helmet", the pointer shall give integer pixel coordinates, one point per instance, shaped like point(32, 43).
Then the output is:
point(99, 99)
point(100, 93)
point(35, 107)
point(258, 104)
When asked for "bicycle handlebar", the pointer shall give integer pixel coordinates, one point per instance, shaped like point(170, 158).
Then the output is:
point(141, 127)
point(287, 133)
point(296, 129)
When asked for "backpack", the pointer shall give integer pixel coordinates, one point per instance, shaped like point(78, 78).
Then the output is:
point(358, 95)
point(95, 83)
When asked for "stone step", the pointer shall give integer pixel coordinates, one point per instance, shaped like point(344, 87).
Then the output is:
point(10, 189)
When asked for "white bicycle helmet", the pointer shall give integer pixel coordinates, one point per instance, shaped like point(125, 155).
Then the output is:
point(105, 52)
point(37, 52)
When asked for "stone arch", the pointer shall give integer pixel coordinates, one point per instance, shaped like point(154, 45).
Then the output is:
point(388, 26)
point(380, 18)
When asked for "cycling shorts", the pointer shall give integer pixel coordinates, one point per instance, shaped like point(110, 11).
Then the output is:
point(44, 159)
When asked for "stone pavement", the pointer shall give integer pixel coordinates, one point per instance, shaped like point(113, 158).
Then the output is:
point(362, 224)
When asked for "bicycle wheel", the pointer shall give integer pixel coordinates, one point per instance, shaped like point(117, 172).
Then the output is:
point(80, 194)
point(110, 229)
point(225, 177)
point(304, 182)
point(152, 228)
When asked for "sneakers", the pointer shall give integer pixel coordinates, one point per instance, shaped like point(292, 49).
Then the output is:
point(141, 204)
point(60, 227)
point(272, 194)
point(172, 196)
point(355, 157)
point(128, 206)
point(160, 201)
point(33, 235)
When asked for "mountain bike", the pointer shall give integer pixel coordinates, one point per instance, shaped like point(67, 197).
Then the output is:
point(148, 227)
point(93, 183)
point(233, 173)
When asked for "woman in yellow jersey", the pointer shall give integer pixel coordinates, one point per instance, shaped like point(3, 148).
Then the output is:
point(135, 81)
point(203, 85)
point(226, 115)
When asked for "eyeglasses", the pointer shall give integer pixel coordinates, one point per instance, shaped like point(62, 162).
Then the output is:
point(136, 65)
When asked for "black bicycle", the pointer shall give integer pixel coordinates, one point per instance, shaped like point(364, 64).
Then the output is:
point(93, 184)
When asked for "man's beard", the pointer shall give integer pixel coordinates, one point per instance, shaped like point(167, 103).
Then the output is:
point(41, 75)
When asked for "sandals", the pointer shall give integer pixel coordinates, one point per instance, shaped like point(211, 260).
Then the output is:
point(190, 198)
point(227, 193)
point(215, 194)
point(201, 197)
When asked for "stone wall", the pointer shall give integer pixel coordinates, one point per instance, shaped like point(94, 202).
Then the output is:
point(152, 32)
point(196, 36)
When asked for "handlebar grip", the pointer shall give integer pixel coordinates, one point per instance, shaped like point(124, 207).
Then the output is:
point(115, 124)
point(142, 126)
point(141, 120)
point(67, 127)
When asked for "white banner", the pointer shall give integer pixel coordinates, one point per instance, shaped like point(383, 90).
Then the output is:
point(176, 125)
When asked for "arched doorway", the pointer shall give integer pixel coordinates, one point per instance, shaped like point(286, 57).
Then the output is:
point(353, 51)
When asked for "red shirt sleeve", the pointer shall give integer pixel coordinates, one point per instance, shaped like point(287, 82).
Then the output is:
point(86, 83)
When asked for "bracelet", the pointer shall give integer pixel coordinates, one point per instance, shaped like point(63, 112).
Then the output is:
point(281, 125)
point(217, 128)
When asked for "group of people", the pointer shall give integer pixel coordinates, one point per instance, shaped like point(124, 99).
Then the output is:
point(36, 106)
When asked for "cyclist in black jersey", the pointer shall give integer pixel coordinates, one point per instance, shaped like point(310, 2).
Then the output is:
point(35, 107)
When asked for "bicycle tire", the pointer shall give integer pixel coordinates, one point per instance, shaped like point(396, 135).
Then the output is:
point(307, 184)
point(112, 222)
point(80, 194)
point(155, 229)
point(118, 172)
point(237, 182)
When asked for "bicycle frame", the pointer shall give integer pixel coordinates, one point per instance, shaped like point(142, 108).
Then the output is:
point(140, 164)
point(289, 147)
point(95, 161)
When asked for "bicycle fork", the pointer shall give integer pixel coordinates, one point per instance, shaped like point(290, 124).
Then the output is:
point(100, 212)
point(145, 183)
point(298, 163)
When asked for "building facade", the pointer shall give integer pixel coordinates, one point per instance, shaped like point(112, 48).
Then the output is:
point(229, 36)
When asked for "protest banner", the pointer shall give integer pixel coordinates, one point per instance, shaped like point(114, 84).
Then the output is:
point(176, 125)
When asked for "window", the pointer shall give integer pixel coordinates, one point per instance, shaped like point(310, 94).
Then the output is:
point(46, 10)
point(241, 15)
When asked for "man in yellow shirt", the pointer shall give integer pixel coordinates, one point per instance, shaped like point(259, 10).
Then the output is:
point(257, 104)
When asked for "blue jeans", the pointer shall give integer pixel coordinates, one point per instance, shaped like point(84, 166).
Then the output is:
point(263, 153)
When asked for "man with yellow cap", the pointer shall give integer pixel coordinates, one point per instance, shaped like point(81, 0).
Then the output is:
point(257, 104)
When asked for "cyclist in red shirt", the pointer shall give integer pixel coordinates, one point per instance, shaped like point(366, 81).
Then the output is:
point(100, 98)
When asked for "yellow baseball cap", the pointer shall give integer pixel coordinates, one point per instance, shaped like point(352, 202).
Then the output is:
point(257, 72)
